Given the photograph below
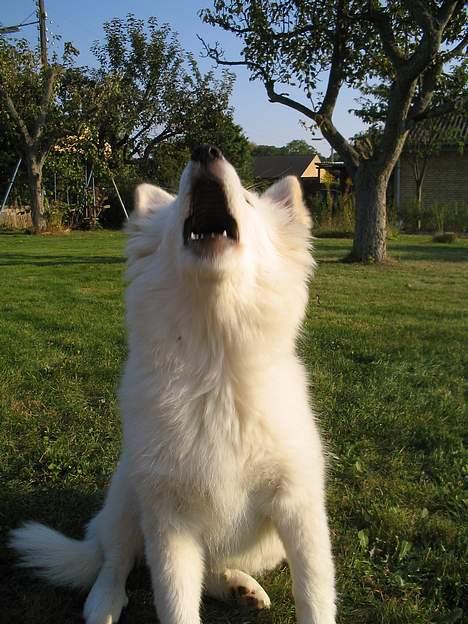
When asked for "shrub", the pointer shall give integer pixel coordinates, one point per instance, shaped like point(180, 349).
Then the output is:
point(333, 233)
point(333, 213)
point(437, 217)
point(445, 237)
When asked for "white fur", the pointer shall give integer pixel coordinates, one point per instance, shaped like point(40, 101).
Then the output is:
point(222, 470)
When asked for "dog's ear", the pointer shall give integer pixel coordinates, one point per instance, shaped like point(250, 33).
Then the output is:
point(287, 193)
point(149, 198)
point(146, 225)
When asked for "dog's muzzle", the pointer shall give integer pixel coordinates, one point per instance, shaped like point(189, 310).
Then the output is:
point(210, 227)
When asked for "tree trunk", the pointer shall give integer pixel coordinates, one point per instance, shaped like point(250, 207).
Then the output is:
point(371, 215)
point(34, 167)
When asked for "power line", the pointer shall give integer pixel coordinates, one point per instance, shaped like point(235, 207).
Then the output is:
point(26, 18)
point(41, 20)
point(16, 27)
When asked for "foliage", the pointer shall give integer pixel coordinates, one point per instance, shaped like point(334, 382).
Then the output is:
point(152, 93)
point(445, 237)
point(35, 115)
point(357, 44)
point(296, 146)
point(320, 46)
point(428, 136)
point(135, 117)
point(450, 95)
point(332, 213)
point(434, 217)
point(37, 95)
point(9, 152)
point(23, 80)
point(384, 349)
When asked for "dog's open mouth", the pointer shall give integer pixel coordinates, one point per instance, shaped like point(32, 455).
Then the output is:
point(210, 228)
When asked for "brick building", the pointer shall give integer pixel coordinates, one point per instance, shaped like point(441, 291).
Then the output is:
point(438, 150)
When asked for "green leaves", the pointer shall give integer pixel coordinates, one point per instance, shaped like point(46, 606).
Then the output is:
point(152, 93)
point(363, 537)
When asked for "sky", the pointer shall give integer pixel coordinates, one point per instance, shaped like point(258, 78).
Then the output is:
point(81, 23)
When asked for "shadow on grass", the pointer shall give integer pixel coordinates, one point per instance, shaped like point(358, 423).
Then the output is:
point(431, 252)
point(15, 259)
point(24, 598)
point(400, 251)
point(45, 324)
point(330, 253)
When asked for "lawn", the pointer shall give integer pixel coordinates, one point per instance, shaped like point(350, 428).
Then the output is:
point(384, 347)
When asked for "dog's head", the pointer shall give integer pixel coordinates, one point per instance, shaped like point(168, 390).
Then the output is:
point(220, 239)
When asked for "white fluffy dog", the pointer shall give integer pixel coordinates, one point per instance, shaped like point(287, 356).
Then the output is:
point(222, 472)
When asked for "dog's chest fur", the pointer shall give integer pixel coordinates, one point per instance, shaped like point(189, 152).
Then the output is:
point(202, 438)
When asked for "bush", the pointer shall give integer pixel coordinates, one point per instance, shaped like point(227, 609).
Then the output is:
point(333, 213)
point(445, 237)
point(333, 234)
point(437, 217)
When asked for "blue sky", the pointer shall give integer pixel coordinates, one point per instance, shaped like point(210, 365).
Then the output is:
point(81, 22)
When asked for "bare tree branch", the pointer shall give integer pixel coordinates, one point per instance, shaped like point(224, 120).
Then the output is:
point(167, 133)
point(447, 10)
point(384, 26)
point(52, 73)
point(458, 50)
point(395, 131)
point(335, 77)
point(340, 144)
point(324, 123)
point(322, 117)
point(433, 30)
point(428, 85)
point(438, 111)
point(127, 137)
point(16, 116)
point(216, 55)
point(225, 25)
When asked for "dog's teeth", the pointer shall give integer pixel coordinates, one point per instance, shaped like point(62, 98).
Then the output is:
point(202, 236)
point(225, 234)
point(193, 236)
point(213, 234)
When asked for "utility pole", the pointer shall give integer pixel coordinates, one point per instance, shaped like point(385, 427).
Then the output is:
point(41, 14)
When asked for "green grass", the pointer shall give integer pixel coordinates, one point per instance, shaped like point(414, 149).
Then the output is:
point(384, 346)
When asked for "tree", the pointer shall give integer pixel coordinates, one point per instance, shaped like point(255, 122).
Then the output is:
point(266, 150)
point(429, 136)
point(152, 93)
point(27, 92)
point(296, 146)
point(403, 44)
point(146, 94)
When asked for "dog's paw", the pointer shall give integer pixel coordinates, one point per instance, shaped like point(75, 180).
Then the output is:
point(246, 591)
point(104, 607)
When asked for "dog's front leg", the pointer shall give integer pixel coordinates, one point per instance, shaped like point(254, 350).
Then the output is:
point(301, 523)
point(175, 558)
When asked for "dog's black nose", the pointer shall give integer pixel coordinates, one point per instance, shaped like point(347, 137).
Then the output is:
point(205, 154)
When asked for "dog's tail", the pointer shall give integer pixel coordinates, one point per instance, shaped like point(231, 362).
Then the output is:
point(57, 558)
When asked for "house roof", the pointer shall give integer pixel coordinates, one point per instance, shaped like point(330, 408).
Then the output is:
point(452, 129)
point(273, 167)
